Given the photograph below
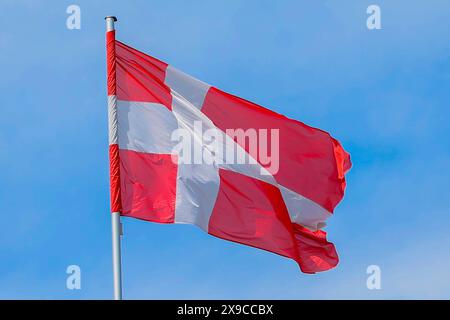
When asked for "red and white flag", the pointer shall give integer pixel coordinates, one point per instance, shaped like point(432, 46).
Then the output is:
point(182, 151)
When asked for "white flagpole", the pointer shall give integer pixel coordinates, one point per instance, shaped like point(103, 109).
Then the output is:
point(117, 269)
point(115, 216)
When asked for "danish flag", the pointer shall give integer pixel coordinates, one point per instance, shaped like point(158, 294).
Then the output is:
point(281, 209)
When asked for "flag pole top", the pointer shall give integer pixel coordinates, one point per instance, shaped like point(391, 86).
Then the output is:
point(110, 22)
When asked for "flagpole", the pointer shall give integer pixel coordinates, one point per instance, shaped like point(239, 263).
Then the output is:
point(116, 226)
point(117, 269)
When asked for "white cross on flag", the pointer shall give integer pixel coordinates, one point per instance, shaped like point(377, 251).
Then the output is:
point(182, 151)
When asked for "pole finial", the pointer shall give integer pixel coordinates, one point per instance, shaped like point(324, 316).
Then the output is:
point(111, 17)
point(110, 22)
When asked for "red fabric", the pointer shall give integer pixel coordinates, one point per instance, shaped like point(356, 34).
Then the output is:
point(111, 62)
point(252, 212)
point(307, 155)
point(316, 254)
point(114, 178)
point(148, 186)
point(343, 163)
point(140, 77)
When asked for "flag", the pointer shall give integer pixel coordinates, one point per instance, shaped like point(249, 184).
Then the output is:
point(183, 151)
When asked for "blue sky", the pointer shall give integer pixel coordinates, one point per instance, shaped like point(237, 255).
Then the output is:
point(383, 93)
